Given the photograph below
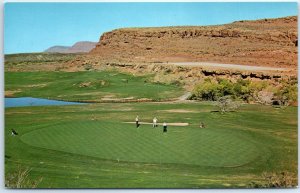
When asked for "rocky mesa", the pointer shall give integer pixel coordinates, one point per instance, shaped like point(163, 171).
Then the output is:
point(266, 42)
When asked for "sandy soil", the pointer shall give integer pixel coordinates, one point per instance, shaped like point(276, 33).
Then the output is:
point(10, 93)
point(228, 66)
point(185, 96)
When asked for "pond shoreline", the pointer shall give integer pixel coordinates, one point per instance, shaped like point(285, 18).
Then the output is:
point(103, 101)
point(31, 101)
point(60, 102)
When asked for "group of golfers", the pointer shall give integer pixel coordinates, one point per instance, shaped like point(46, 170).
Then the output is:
point(154, 123)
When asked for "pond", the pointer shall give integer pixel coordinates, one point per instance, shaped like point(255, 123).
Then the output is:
point(29, 101)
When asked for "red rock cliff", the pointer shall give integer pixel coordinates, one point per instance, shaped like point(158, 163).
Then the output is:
point(268, 42)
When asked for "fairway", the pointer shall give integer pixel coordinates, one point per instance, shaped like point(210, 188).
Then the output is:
point(93, 146)
point(123, 142)
point(88, 86)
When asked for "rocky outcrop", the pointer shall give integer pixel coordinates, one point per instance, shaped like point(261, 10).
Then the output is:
point(267, 42)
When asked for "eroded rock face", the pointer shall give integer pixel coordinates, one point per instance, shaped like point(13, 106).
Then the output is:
point(268, 42)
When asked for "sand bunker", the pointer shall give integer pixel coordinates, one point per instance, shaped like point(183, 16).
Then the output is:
point(10, 93)
point(170, 124)
point(116, 99)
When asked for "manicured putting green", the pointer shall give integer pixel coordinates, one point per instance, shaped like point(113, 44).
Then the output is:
point(124, 142)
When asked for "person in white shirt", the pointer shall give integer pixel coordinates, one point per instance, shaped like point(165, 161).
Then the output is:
point(154, 122)
point(137, 121)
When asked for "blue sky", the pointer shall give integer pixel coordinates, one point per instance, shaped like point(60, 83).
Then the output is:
point(33, 27)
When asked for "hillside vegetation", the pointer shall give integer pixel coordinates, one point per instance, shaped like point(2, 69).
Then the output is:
point(36, 61)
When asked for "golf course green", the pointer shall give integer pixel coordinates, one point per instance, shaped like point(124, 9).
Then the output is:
point(124, 142)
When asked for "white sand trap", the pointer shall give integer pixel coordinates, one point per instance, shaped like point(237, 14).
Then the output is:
point(11, 92)
point(169, 124)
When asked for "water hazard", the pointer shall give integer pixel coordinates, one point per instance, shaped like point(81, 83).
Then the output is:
point(29, 101)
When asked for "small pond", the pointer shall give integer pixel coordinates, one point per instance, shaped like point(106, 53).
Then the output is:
point(29, 101)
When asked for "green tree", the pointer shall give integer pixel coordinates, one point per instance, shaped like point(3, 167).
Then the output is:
point(226, 87)
point(242, 90)
point(286, 93)
point(208, 90)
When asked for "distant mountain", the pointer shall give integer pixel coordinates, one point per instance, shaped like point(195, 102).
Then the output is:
point(58, 49)
point(78, 47)
point(82, 47)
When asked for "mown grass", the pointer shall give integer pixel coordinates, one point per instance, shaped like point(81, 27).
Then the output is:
point(78, 86)
point(89, 146)
point(121, 141)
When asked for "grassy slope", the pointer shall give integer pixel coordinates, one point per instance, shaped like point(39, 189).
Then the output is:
point(272, 131)
point(70, 85)
point(36, 58)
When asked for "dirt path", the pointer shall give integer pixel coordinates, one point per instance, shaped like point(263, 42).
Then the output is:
point(228, 66)
point(185, 96)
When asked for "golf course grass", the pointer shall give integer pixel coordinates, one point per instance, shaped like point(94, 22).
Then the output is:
point(123, 142)
point(87, 86)
point(91, 146)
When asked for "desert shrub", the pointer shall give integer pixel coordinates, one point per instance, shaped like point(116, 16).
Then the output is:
point(20, 179)
point(88, 67)
point(226, 104)
point(170, 79)
point(286, 93)
point(264, 97)
point(167, 71)
point(242, 90)
point(213, 90)
point(257, 85)
point(276, 180)
point(58, 68)
point(176, 82)
point(264, 92)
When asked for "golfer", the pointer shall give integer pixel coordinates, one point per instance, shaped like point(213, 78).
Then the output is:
point(154, 122)
point(202, 125)
point(137, 121)
point(165, 127)
point(13, 132)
